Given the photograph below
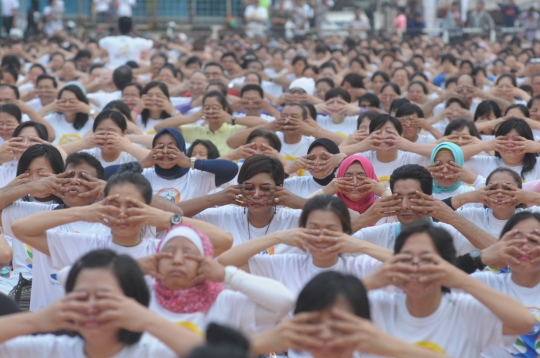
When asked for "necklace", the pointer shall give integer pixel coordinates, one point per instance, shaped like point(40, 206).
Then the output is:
point(267, 226)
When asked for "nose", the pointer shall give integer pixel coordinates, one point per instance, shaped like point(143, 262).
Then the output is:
point(355, 180)
point(178, 258)
point(405, 205)
point(445, 169)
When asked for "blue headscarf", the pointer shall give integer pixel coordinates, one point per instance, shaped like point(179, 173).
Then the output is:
point(176, 171)
point(458, 159)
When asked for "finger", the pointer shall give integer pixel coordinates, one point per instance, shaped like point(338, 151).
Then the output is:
point(197, 258)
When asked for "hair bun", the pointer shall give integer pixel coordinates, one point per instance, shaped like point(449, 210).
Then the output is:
point(130, 167)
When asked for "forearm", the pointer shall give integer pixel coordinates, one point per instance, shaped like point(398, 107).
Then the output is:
point(74, 147)
point(434, 132)
point(352, 149)
point(224, 170)
point(503, 104)
point(420, 149)
point(476, 236)
point(377, 252)
point(515, 317)
point(239, 255)
point(6, 253)
point(323, 133)
point(238, 139)
point(194, 206)
point(427, 108)
point(35, 117)
point(399, 349)
point(136, 151)
point(21, 324)
point(221, 240)
point(142, 139)
point(9, 194)
point(39, 223)
point(250, 121)
point(175, 122)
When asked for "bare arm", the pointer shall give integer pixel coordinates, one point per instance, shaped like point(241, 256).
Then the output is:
point(178, 120)
point(6, 253)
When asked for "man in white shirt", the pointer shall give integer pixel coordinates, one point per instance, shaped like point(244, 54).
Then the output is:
point(124, 48)
point(120, 77)
point(101, 9)
point(124, 8)
point(9, 14)
point(255, 16)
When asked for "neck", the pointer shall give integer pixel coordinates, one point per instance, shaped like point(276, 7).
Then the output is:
point(110, 156)
point(155, 114)
point(512, 163)
point(214, 126)
point(253, 113)
point(387, 156)
point(70, 117)
point(338, 119)
point(292, 138)
point(325, 262)
point(260, 220)
point(425, 306)
point(526, 279)
point(414, 138)
point(504, 214)
point(46, 101)
point(103, 348)
point(127, 240)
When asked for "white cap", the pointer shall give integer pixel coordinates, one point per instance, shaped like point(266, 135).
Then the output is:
point(307, 84)
point(183, 231)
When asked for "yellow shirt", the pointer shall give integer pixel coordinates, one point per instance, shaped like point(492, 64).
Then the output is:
point(192, 132)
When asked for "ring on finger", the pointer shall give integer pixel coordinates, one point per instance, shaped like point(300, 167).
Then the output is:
point(154, 156)
point(276, 200)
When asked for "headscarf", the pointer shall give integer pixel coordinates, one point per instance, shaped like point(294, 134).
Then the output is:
point(363, 204)
point(458, 159)
point(198, 298)
point(176, 171)
point(331, 148)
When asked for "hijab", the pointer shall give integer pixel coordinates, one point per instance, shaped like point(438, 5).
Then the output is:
point(458, 159)
point(198, 298)
point(176, 171)
point(331, 148)
point(363, 204)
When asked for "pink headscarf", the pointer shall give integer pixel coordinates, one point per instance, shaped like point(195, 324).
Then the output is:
point(363, 204)
point(198, 298)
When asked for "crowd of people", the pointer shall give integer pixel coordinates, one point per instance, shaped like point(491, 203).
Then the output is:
point(329, 198)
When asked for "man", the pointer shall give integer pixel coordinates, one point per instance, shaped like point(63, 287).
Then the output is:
point(253, 103)
point(360, 26)
point(120, 77)
point(255, 17)
point(10, 10)
point(46, 88)
point(301, 15)
point(510, 13)
point(412, 187)
point(535, 84)
point(480, 18)
point(124, 48)
point(229, 61)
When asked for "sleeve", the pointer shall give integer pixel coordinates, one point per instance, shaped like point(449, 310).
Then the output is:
point(144, 44)
point(68, 247)
point(104, 43)
point(365, 265)
point(214, 216)
point(224, 170)
point(413, 158)
point(151, 347)
point(190, 132)
point(20, 209)
point(29, 346)
point(271, 266)
point(233, 309)
point(477, 163)
point(375, 236)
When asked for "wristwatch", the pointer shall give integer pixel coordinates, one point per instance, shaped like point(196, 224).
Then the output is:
point(193, 159)
point(476, 256)
point(176, 219)
point(233, 120)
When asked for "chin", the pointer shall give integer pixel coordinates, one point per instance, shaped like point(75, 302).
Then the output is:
point(354, 196)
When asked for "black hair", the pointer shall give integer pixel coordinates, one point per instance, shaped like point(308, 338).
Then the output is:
point(394, 86)
point(130, 173)
point(41, 130)
point(14, 88)
point(338, 92)
point(11, 61)
point(78, 158)
point(407, 109)
point(298, 58)
point(311, 67)
point(323, 290)
point(368, 114)
point(125, 25)
point(379, 121)
point(455, 100)
point(194, 59)
point(229, 54)
point(421, 74)
point(466, 62)
point(326, 80)
point(213, 152)
point(115, 116)
point(517, 218)
point(133, 84)
point(37, 65)
point(46, 77)
point(421, 84)
point(450, 80)
point(460, 123)
point(82, 54)
point(273, 139)
point(221, 87)
point(513, 174)
point(487, 107)
point(398, 102)
point(414, 172)
point(354, 79)
point(121, 107)
point(441, 239)
point(252, 87)
point(160, 54)
point(507, 75)
point(523, 109)
point(80, 118)
point(532, 100)
point(401, 69)
point(209, 64)
point(382, 74)
point(302, 107)
point(127, 273)
point(372, 98)
point(145, 114)
point(329, 65)
point(12, 110)
point(327, 203)
point(97, 65)
point(221, 98)
point(527, 88)
point(448, 57)
point(122, 76)
point(222, 342)
point(260, 163)
point(311, 110)
point(523, 130)
point(259, 78)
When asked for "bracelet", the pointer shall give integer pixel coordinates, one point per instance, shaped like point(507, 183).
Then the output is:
point(233, 120)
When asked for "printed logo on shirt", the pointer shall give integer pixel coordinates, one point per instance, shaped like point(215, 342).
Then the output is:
point(528, 345)
point(385, 181)
point(151, 131)
point(170, 194)
point(30, 259)
point(430, 345)
point(290, 159)
point(191, 326)
point(68, 138)
point(269, 251)
point(342, 135)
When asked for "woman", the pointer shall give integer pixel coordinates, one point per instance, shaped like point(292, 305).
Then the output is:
point(123, 108)
point(321, 161)
point(389, 92)
point(322, 86)
point(108, 141)
point(423, 267)
point(155, 105)
point(323, 233)
point(332, 319)
point(202, 149)
point(378, 80)
point(10, 118)
point(105, 308)
point(413, 122)
point(487, 111)
point(506, 88)
point(401, 78)
point(198, 295)
point(455, 108)
point(70, 115)
point(417, 92)
point(172, 173)
point(354, 84)
point(446, 164)
point(131, 95)
point(258, 193)
point(521, 248)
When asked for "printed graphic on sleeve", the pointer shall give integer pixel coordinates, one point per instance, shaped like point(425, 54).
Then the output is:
point(170, 194)
point(528, 345)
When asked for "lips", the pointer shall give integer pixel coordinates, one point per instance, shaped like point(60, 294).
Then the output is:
point(73, 190)
point(524, 258)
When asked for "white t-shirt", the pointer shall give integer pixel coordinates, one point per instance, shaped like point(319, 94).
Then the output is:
point(34, 264)
point(384, 170)
point(49, 345)
point(463, 188)
point(123, 48)
point(8, 6)
point(7, 174)
point(460, 327)
point(259, 12)
point(524, 345)
point(425, 139)
point(102, 5)
point(273, 74)
point(266, 117)
point(124, 157)
point(295, 271)
point(150, 124)
point(385, 236)
point(235, 221)
point(231, 308)
point(343, 129)
point(441, 106)
point(301, 186)
point(193, 184)
point(103, 98)
point(65, 132)
point(291, 151)
point(35, 104)
point(125, 8)
point(483, 165)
